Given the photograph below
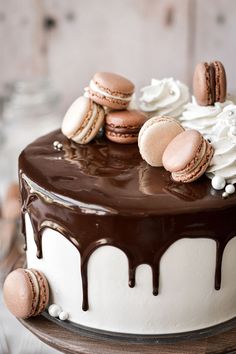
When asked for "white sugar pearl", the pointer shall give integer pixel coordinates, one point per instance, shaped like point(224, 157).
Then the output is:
point(54, 310)
point(218, 182)
point(225, 195)
point(64, 316)
point(55, 143)
point(59, 146)
point(230, 189)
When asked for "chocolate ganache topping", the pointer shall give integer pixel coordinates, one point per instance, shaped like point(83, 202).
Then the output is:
point(103, 193)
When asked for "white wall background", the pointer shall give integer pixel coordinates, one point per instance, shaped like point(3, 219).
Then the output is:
point(69, 40)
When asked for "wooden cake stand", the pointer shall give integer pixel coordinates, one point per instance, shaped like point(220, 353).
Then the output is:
point(70, 342)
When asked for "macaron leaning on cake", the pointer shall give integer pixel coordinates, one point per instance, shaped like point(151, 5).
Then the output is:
point(154, 137)
point(209, 83)
point(123, 126)
point(110, 90)
point(83, 120)
point(26, 292)
point(187, 156)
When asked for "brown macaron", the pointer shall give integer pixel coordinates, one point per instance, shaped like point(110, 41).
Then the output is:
point(123, 126)
point(187, 156)
point(110, 90)
point(26, 292)
point(209, 83)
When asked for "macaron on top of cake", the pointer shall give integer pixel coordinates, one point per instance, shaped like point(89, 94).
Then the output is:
point(124, 126)
point(83, 120)
point(110, 90)
point(209, 83)
point(154, 137)
point(187, 156)
point(26, 292)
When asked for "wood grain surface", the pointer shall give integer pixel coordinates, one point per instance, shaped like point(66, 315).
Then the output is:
point(70, 342)
point(70, 40)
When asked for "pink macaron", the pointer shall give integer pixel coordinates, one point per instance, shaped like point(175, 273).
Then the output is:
point(110, 90)
point(187, 156)
point(26, 292)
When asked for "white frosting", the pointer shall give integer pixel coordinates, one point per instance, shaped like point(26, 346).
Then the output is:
point(95, 88)
point(217, 123)
point(187, 299)
point(224, 141)
point(202, 118)
point(164, 97)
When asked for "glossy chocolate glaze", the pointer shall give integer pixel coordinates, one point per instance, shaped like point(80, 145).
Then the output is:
point(103, 193)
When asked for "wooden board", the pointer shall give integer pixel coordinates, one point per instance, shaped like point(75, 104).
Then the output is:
point(21, 41)
point(70, 40)
point(70, 342)
point(136, 38)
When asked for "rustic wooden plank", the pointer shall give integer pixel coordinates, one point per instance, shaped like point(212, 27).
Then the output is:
point(138, 38)
point(22, 40)
point(215, 35)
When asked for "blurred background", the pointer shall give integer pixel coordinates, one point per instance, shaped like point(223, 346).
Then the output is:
point(50, 50)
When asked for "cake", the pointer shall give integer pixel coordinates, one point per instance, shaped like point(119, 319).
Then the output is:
point(126, 248)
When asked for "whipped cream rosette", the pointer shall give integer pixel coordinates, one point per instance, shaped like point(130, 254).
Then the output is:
point(202, 118)
point(164, 97)
point(224, 142)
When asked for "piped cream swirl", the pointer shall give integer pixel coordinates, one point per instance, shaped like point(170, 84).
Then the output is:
point(164, 97)
point(202, 118)
point(224, 142)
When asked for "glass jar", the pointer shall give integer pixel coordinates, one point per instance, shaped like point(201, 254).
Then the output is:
point(30, 109)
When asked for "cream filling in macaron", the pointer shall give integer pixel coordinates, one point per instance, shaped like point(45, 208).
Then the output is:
point(83, 130)
point(36, 287)
point(97, 122)
point(95, 88)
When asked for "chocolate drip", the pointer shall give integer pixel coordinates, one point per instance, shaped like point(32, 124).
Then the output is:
point(104, 194)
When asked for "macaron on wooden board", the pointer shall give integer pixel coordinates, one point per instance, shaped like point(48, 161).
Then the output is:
point(26, 292)
point(123, 126)
point(154, 137)
point(83, 120)
point(110, 90)
point(209, 83)
point(187, 156)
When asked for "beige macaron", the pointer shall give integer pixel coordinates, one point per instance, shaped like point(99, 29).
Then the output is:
point(83, 120)
point(154, 137)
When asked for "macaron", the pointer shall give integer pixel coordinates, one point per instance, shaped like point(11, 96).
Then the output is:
point(123, 126)
point(187, 156)
point(110, 90)
point(83, 120)
point(26, 292)
point(154, 137)
point(209, 83)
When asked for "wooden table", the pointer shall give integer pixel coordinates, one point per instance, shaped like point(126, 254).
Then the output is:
point(70, 342)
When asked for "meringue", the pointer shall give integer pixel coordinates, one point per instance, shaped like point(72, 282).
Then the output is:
point(202, 118)
point(223, 163)
point(164, 97)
